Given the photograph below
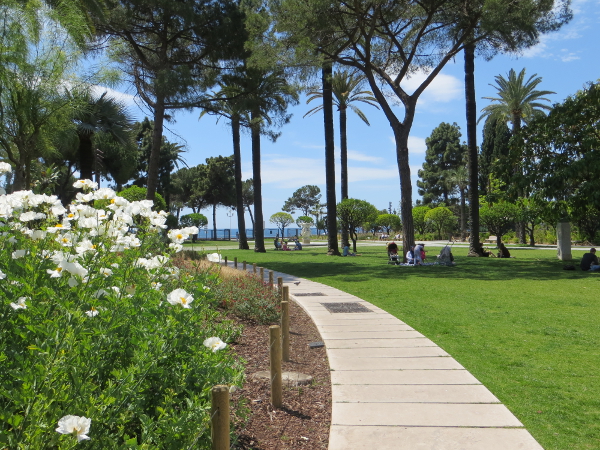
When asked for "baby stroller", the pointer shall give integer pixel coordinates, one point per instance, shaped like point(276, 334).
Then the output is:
point(393, 257)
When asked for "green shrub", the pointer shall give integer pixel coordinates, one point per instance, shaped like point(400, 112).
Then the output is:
point(137, 194)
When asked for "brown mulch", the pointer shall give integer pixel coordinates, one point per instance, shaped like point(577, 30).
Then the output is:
point(303, 421)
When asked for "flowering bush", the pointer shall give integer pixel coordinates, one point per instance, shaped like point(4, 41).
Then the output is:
point(102, 339)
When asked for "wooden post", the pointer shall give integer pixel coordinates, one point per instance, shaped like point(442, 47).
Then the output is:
point(285, 294)
point(254, 268)
point(275, 359)
point(285, 331)
point(271, 278)
point(244, 266)
point(262, 274)
point(225, 259)
point(280, 285)
point(219, 418)
point(235, 262)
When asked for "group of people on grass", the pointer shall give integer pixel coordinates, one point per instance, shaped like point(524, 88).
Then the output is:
point(283, 245)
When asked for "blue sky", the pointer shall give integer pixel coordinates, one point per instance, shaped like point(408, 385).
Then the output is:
point(566, 60)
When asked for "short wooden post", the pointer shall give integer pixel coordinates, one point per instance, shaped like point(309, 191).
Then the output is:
point(244, 266)
point(275, 359)
point(219, 418)
point(271, 278)
point(279, 285)
point(262, 274)
point(225, 259)
point(235, 262)
point(285, 330)
point(254, 268)
point(285, 294)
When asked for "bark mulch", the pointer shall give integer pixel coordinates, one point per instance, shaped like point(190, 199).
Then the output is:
point(303, 421)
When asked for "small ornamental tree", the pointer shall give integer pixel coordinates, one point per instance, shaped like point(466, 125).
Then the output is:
point(440, 219)
point(353, 214)
point(194, 220)
point(389, 222)
point(137, 194)
point(281, 220)
point(498, 217)
point(304, 219)
point(419, 221)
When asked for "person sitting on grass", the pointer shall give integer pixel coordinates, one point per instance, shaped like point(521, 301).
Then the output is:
point(503, 253)
point(347, 252)
point(410, 255)
point(590, 261)
point(419, 252)
point(277, 243)
point(285, 247)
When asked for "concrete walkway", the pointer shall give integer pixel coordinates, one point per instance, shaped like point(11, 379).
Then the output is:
point(394, 389)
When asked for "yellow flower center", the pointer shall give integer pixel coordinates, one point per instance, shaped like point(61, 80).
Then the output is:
point(180, 236)
point(65, 240)
point(58, 225)
point(112, 200)
point(59, 269)
point(183, 300)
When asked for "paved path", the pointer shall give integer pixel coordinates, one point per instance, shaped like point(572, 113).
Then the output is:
point(394, 389)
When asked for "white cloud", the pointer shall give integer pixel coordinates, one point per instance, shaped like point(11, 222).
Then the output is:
point(310, 146)
point(356, 174)
point(353, 155)
point(444, 88)
point(126, 99)
point(543, 48)
point(291, 172)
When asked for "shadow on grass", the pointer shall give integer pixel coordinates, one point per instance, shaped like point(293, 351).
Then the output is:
point(528, 265)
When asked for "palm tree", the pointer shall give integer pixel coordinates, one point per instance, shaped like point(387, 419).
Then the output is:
point(518, 100)
point(268, 95)
point(231, 103)
point(98, 115)
point(345, 85)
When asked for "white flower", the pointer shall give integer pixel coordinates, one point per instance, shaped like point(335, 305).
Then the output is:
point(78, 426)
point(2, 275)
point(214, 257)
point(180, 297)
point(56, 273)
point(18, 254)
point(176, 247)
point(5, 168)
point(73, 282)
point(85, 184)
point(99, 293)
point(20, 303)
point(106, 272)
point(92, 312)
point(215, 344)
point(38, 235)
point(155, 285)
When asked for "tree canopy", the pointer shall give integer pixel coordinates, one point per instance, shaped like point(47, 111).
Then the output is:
point(305, 199)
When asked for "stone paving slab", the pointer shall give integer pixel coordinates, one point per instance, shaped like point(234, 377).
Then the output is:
point(410, 393)
point(403, 352)
point(402, 377)
point(353, 335)
point(430, 438)
point(359, 329)
point(423, 414)
point(433, 363)
point(379, 343)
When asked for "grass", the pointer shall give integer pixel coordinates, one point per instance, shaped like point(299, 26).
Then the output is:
point(528, 330)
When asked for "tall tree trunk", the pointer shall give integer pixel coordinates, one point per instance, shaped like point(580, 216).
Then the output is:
point(239, 201)
point(463, 214)
point(344, 167)
point(332, 241)
point(157, 134)
point(471, 108)
point(521, 232)
point(259, 225)
point(214, 221)
point(408, 231)
point(251, 219)
point(86, 157)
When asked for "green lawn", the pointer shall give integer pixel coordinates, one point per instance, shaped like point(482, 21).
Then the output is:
point(526, 328)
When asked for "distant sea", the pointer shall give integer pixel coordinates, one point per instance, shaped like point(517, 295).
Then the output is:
point(269, 233)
